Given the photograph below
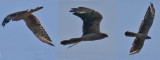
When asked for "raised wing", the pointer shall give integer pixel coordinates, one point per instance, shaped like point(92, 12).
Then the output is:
point(144, 28)
point(91, 19)
point(148, 20)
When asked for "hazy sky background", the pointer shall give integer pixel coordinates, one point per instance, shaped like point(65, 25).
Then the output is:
point(130, 15)
point(70, 26)
point(17, 41)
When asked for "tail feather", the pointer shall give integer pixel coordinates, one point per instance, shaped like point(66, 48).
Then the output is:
point(71, 41)
point(131, 34)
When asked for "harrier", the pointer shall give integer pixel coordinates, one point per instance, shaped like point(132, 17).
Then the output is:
point(91, 26)
point(32, 23)
point(143, 31)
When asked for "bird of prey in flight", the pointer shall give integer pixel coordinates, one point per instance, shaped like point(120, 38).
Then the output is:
point(91, 25)
point(32, 23)
point(143, 31)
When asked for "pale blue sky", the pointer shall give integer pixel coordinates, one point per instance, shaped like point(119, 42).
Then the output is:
point(17, 41)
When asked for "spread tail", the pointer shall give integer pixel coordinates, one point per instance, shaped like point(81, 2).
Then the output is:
point(71, 41)
point(131, 34)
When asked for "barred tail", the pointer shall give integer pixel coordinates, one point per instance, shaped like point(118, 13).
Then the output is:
point(71, 41)
point(131, 34)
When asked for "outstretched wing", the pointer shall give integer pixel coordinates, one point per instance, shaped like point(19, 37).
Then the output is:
point(148, 20)
point(12, 16)
point(16, 16)
point(144, 28)
point(35, 26)
point(137, 45)
point(91, 19)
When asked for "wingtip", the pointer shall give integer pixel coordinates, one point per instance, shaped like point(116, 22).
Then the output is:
point(151, 4)
point(3, 25)
point(41, 7)
point(73, 10)
point(52, 45)
point(44, 40)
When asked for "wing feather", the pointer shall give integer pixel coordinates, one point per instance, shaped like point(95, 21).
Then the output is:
point(137, 45)
point(5, 21)
point(35, 26)
point(148, 20)
point(91, 19)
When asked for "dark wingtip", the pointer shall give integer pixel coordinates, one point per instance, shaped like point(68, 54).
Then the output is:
point(40, 7)
point(151, 5)
point(73, 10)
point(50, 40)
point(4, 22)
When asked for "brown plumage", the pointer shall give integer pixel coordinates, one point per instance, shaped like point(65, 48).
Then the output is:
point(32, 23)
point(91, 26)
point(143, 30)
